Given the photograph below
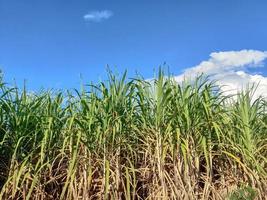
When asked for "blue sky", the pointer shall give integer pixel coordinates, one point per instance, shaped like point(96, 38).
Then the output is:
point(51, 42)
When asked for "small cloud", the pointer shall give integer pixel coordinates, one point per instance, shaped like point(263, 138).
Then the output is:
point(98, 16)
point(230, 70)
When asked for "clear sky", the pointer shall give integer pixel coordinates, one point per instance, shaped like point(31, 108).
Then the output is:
point(51, 42)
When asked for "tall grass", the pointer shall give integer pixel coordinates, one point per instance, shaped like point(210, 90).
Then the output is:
point(132, 139)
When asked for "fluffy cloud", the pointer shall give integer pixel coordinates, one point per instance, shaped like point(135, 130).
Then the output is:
point(230, 70)
point(98, 16)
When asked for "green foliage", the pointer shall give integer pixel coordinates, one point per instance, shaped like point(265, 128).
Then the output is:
point(131, 139)
point(244, 193)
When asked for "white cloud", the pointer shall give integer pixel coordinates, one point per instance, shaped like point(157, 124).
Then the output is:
point(98, 16)
point(230, 68)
